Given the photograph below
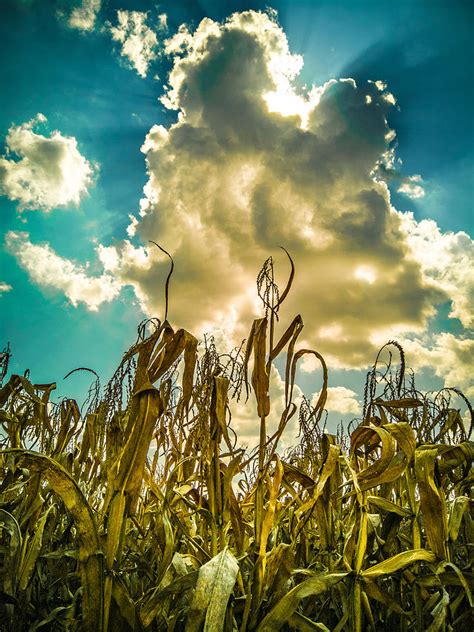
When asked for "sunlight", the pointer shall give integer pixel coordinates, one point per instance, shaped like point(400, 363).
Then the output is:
point(365, 273)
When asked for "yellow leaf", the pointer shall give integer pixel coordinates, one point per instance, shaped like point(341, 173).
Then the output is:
point(214, 586)
point(283, 610)
point(432, 501)
point(399, 562)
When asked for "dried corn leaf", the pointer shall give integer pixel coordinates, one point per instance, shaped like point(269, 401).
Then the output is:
point(154, 602)
point(125, 605)
point(31, 551)
point(214, 586)
point(386, 505)
point(90, 555)
point(459, 507)
point(406, 402)
point(382, 596)
point(11, 556)
point(260, 376)
point(432, 501)
point(399, 562)
point(312, 587)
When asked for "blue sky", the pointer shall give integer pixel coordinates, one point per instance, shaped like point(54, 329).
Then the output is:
point(89, 90)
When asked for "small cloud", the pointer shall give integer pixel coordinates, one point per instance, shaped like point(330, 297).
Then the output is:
point(162, 22)
point(49, 270)
point(83, 17)
point(43, 172)
point(389, 98)
point(380, 85)
point(139, 42)
point(340, 400)
point(4, 287)
point(412, 187)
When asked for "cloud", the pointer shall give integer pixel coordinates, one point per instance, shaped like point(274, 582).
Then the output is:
point(43, 172)
point(243, 172)
point(451, 358)
point(47, 269)
point(4, 287)
point(340, 400)
point(84, 16)
point(139, 42)
point(412, 187)
point(447, 259)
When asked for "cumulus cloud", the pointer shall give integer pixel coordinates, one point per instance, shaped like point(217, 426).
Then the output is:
point(412, 187)
point(84, 16)
point(238, 175)
point(138, 41)
point(451, 358)
point(4, 287)
point(340, 400)
point(49, 270)
point(43, 172)
point(447, 259)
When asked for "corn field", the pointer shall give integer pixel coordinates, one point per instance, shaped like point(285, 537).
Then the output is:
point(141, 510)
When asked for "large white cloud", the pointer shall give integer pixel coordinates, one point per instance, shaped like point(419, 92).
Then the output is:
point(84, 16)
point(238, 175)
point(43, 172)
point(138, 41)
point(49, 270)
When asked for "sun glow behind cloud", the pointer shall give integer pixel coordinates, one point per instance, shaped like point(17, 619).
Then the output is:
point(365, 273)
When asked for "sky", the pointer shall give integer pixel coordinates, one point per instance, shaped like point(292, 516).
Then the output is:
point(341, 130)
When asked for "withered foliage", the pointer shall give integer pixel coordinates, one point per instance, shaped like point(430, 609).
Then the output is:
point(141, 511)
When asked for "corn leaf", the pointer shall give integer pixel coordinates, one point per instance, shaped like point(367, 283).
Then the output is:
point(90, 554)
point(399, 562)
point(312, 587)
point(214, 586)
